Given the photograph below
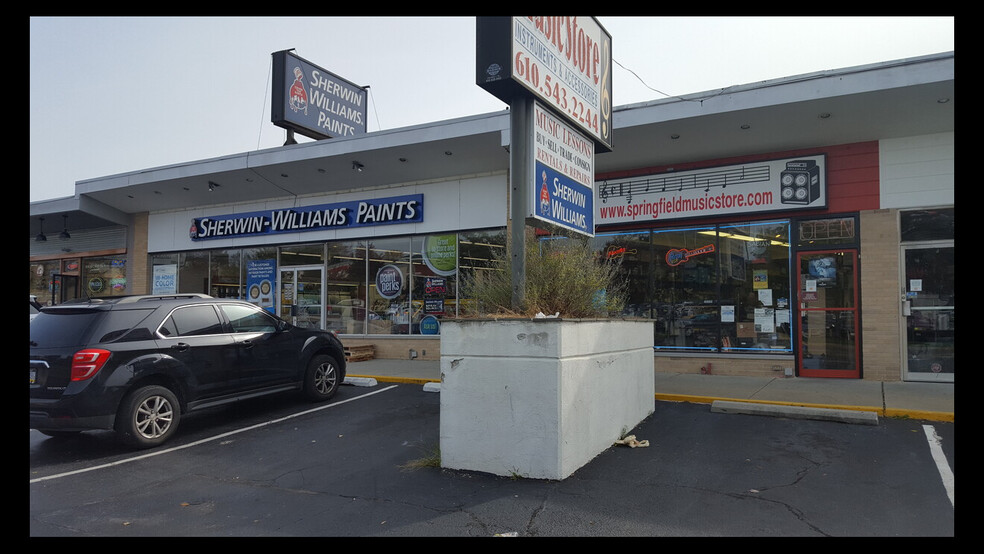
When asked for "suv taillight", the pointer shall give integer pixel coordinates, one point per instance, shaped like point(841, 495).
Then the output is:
point(86, 363)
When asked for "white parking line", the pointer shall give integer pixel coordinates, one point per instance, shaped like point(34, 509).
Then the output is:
point(210, 439)
point(940, 459)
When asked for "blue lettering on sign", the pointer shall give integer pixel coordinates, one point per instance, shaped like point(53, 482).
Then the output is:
point(341, 215)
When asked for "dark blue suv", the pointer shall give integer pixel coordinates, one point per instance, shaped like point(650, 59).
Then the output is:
point(135, 364)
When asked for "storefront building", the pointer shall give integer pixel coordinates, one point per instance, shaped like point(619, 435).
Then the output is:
point(802, 226)
point(79, 248)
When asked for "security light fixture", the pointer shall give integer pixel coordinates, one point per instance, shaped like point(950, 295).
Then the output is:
point(357, 166)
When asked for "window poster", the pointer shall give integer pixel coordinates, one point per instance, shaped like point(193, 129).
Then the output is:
point(760, 278)
point(765, 320)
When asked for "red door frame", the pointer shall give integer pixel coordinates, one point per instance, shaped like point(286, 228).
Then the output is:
point(838, 373)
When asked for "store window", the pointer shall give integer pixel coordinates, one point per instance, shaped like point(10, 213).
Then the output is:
point(302, 254)
point(755, 293)
point(345, 286)
point(259, 276)
point(104, 276)
point(225, 274)
point(390, 312)
point(478, 251)
point(634, 255)
point(182, 272)
point(685, 289)
point(434, 280)
point(388, 286)
point(922, 225)
point(709, 288)
point(40, 281)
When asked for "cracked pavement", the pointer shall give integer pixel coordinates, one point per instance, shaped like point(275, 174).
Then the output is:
point(344, 470)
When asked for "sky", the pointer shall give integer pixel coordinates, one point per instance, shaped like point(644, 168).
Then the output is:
point(112, 95)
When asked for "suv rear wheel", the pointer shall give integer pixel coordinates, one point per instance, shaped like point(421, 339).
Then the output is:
point(322, 378)
point(148, 416)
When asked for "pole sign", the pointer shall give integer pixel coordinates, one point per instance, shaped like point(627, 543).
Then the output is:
point(315, 102)
point(563, 174)
point(563, 61)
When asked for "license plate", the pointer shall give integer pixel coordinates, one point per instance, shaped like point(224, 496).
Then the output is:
point(34, 376)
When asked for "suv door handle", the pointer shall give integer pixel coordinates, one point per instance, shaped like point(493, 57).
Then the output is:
point(247, 344)
point(181, 346)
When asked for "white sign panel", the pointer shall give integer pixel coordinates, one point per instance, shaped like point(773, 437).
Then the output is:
point(563, 173)
point(165, 279)
point(565, 61)
point(754, 187)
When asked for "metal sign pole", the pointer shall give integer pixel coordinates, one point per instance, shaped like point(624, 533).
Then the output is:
point(520, 112)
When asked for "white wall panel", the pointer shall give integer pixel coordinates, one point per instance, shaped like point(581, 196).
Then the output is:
point(916, 171)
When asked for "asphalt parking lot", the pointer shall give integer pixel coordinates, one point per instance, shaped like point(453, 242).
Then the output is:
point(283, 467)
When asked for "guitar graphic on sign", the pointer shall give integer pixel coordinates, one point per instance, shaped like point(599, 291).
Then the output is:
point(679, 255)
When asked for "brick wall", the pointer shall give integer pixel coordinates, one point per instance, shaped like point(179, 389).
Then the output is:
point(880, 294)
point(754, 367)
point(138, 261)
point(399, 348)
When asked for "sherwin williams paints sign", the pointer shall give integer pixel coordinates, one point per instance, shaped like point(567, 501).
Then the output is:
point(563, 174)
point(341, 215)
point(313, 101)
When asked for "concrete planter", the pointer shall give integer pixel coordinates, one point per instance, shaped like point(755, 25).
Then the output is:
point(540, 398)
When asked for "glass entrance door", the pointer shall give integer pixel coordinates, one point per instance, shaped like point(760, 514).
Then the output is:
point(64, 287)
point(302, 296)
point(928, 311)
point(828, 303)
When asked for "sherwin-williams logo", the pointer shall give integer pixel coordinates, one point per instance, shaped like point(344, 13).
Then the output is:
point(298, 97)
point(544, 197)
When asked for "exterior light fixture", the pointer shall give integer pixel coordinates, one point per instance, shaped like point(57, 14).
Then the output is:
point(41, 237)
point(64, 234)
point(357, 166)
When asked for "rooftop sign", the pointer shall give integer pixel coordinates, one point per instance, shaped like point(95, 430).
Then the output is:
point(313, 101)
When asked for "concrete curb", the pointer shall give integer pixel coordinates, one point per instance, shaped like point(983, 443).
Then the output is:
point(925, 415)
point(799, 412)
point(433, 385)
point(359, 381)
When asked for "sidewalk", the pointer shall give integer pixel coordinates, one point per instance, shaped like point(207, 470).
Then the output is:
point(930, 401)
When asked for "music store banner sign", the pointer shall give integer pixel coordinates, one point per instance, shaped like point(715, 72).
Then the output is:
point(754, 187)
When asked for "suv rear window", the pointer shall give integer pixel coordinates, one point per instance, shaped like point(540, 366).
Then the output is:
point(74, 327)
point(56, 330)
point(118, 323)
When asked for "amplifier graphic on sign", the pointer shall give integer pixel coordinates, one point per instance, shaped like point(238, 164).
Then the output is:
point(800, 182)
